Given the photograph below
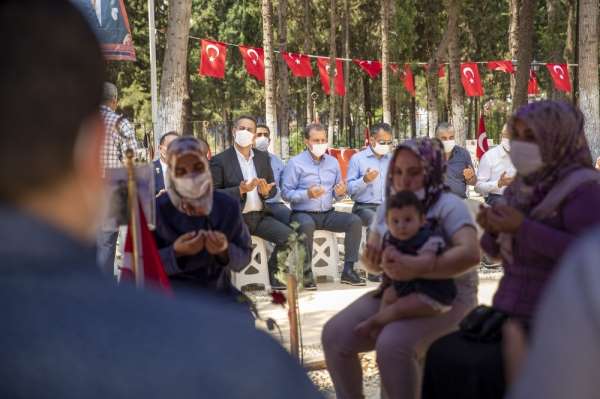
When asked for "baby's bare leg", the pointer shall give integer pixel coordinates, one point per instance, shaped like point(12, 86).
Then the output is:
point(370, 327)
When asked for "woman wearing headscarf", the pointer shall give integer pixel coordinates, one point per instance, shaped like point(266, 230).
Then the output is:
point(417, 166)
point(552, 201)
point(201, 234)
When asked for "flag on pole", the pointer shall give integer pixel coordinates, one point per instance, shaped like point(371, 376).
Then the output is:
point(469, 76)
point(299, 64)
point(409, 80)
point(212, 59)
point(149, 263)
point(532, 85)
point(254, 59)
point(560, 76)
point(482, 142)
point(323, 64)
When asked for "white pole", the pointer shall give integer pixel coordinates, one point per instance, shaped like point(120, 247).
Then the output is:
point(153, 74)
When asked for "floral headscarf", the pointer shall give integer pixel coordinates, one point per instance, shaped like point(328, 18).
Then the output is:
point(558, 129)
point(191, 206)
point(431, 153)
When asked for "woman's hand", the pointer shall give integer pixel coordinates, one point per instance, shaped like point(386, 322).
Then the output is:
point(190, 243)
point(482, 219)
point(371, 255)
point(505, 219)
point(401, 267)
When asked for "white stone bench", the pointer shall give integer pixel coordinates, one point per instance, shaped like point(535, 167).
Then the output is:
point(325, 255)
point(257, 271)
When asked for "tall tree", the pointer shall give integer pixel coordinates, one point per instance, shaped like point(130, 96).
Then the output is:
point(267, 25)
point(174, 81)
point(553, 42)
point(456, 89)
point(588, 72)
point(513, 38)
point(346, 99)
point(524, 52)
point(332, 71)
point(569, 53)
point(283, 87)
point(307, 47)
point(385, 54)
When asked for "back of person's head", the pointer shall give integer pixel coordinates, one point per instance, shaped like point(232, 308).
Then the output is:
point(404, 199)
point(51, 80)
point(110, 93)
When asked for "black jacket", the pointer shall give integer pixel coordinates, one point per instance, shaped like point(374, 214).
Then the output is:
point(227, 173)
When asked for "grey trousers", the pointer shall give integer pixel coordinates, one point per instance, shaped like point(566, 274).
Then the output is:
point(106, 247)
point(338, 222)
point(366, 212)
point(279, 211)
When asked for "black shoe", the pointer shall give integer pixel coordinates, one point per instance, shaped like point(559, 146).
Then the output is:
point(350, 277)
point(277, 285)
point(374, 278)
point(310, 285)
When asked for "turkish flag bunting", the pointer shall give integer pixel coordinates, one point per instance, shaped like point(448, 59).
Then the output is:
point(408, 79)
point(469, 76)
point(560, 76)
point(323, 64)
point(212, 59)
point(482, 142)
point(254, 59)
point(149, 260)
point(502, 66)
point(441, 70)
point(299, 64)
point(372, 68)
point(532, 85)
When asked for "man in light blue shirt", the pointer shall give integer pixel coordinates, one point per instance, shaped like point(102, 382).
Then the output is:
point(367, 172)
point(311, 182)
point(275, 205)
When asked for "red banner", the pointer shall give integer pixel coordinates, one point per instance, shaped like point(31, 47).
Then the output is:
point(408, 79)
point(532, 85)
point(482, 143)
point(469, 76)
point(560, 76)
point(212, 59)
point(323, 64)
point(501, 66)
point(299, 64)
point(254, 59)
point(372, 68)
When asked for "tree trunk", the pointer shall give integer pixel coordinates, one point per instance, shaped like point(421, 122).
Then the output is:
point(385, 53)
point(309, 101)
point(270, 115)
point(413, 117)
point(173, 85)
point(283, 87)
point(525, 52)
point(569, 53)
point(345, 100)
point(456, 89)
point(588, 72)
point(513, 40)
point(554, 43)
point(332, 71)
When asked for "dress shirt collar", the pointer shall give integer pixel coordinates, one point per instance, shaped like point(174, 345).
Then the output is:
point(242, 157)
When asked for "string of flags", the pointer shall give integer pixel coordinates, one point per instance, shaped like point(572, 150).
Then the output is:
point(213, 57)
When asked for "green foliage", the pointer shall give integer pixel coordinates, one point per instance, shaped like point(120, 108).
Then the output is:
point(291, 260)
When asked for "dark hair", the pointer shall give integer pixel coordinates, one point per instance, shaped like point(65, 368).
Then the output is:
point(311, 127)
point(164, 136)
point(380, 126)
point(404, 199)
point(238, 119)
point(264, 127)
point(205, 148)
point(51, 80)
point(442, 127)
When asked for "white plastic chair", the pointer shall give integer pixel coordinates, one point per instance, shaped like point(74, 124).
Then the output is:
point(257, 271)
point(325, 255)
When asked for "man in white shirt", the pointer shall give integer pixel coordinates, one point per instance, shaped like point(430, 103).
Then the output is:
point(160, 164)
point(495, 171)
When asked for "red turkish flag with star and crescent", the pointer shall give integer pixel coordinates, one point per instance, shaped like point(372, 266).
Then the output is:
point(372, 68)
point(501, 66)
point(408, 79)
point(560, 76)
point(441, 70)
point(212, 59)
point(482, 142)
point(532, 85)
point(254, 59)
point(299, 64)
point(469, 76)
point(323, 64)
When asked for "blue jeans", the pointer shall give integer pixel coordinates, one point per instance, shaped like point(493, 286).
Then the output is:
point(106, 246)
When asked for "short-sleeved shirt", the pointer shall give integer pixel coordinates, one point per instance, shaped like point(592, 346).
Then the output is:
point(459, 160)
point(452, 214)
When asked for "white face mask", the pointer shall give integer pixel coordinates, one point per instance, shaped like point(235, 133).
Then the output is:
point(505, 143)
point(318, 149)
point(244, 138)
point(526, 157)
point(420, 194)
point(192, 186)
point(449, 145)
point(262, 143)
point(381, 149)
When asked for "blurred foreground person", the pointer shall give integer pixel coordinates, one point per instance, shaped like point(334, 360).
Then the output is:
point(68, 331)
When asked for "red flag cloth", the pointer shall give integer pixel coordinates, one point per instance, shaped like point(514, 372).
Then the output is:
point(372, 68)
point(408, 79)
point(154, 271)
point(502, 66)
point(532, 85)
point(212, 59)
point(560, 76)
point(299, 64)
point(394, 67)
point(469, 76)
point(323, 64)
point(254, 59)
point(482, 143)
point(441, 70)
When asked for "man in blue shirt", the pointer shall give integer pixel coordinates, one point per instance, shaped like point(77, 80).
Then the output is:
point(311, 182)
point(460, 171)
point(367, 172)
point(275, 205)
